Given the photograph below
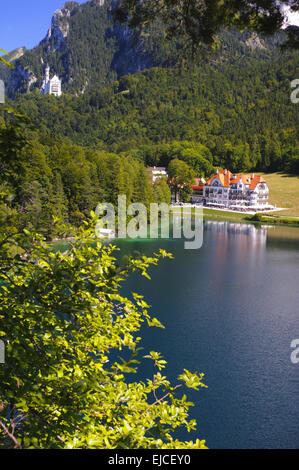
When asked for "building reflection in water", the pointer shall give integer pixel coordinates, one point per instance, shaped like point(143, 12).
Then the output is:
point(249, 237)
point(238, 250)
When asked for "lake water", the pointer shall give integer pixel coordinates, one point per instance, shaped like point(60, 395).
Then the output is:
point(231, 310)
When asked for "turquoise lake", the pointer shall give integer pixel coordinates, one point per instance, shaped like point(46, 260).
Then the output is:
point(231, 310)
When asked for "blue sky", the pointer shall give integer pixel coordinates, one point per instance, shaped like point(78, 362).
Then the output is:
point(26, 22)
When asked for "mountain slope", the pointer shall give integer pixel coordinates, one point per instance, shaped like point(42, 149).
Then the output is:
point(129, 94)
point(87, 49)
point(241, 113)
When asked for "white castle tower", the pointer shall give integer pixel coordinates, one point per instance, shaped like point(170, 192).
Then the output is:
point(51, 86)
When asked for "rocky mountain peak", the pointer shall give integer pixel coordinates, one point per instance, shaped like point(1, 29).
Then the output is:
point(68, 8)
point(59, 29)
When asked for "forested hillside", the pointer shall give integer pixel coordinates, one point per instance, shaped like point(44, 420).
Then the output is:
point(136, 96)
point(46, 176)
point(129, 102)
point(240, 114)
point(86, 48)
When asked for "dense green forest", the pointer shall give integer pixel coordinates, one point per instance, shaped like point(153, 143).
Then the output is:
point(235, 115)
point(86, 48)
point(48, 176)
point(139, 96)
point(89, 148)
point(131, 102)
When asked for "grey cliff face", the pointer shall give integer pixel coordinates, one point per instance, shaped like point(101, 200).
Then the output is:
point(20, 79)
point(60, 27)
point(129, 55)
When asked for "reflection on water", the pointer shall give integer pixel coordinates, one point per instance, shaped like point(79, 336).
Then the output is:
point(252, 237)
point(249, 237)
point(233, 243)
point(235, 228)
point(231, 311)
point(283, 237)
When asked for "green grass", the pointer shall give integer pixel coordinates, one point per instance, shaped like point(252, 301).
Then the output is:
point(284, 192)
point(273, 219)
point(224, 214)
point(221, 215)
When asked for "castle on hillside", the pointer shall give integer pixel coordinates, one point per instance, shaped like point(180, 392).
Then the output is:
point(51, 86)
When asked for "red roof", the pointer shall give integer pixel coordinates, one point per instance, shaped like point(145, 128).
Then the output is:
point(224, 176)
point(227, 179)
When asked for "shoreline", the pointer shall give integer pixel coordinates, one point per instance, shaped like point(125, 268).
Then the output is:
point(221, 215)
point(234, 216)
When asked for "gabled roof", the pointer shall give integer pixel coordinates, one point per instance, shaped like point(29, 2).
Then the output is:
point(227, 178)
point(224, 176)
point(256, 180)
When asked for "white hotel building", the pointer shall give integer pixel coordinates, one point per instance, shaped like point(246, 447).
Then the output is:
point(157, 172)
point(228, 190)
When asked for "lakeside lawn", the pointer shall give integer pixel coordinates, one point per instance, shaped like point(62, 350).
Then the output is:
point(216, 214)
point(284, 192)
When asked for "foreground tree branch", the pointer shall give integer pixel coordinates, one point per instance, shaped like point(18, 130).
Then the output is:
point(201, 20)
point(10, 435)
point(64, 321)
